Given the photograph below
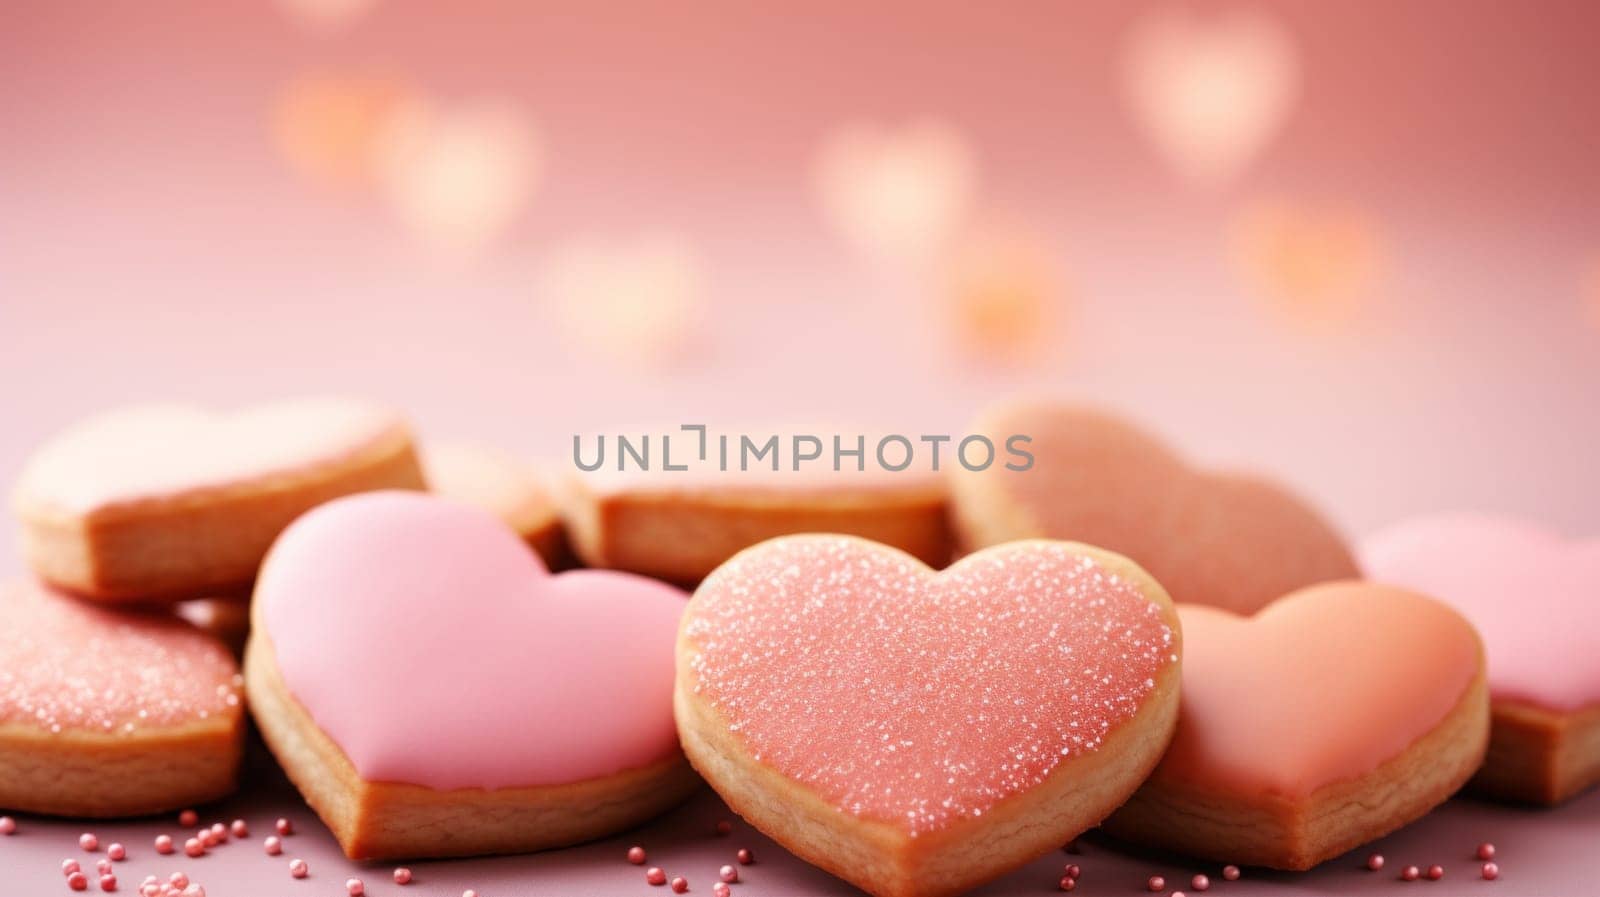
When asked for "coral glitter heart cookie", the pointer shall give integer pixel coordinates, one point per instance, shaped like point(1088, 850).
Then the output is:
point(1226, 540)
point(1333, 717)
point(434, 691)
point(162, 502)
point(1535, 598)
point(918, 732)
point(503, 486)
point(111, 713)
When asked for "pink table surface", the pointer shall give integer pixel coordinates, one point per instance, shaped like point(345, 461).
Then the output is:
point(1541, 852)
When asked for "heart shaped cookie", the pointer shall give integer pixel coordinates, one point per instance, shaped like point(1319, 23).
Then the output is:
point(111, 713)
point(678, 525)
point(1333, 717)
point(434, 691)
point(505, 487)
point(1226, 540)
point(918, 732)
point(1535, 597)
point(161, 502)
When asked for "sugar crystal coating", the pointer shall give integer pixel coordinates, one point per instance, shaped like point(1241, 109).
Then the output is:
point(916, 698)
point(67, 665)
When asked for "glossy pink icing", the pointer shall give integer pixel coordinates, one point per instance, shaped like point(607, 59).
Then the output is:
point(69, 665)
point(433, 647)
point(914, 697)
point(1321, 686)
point(151, 451)
point(1534, 596)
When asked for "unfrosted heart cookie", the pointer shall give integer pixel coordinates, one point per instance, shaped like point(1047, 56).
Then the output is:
point(1227, 540)
point(679, 525)
point(505, 487)
point(434, 691)
point(1333, 717)
point(160, 502)
point(1535, 597)
point(111, 713)
point(918, 732)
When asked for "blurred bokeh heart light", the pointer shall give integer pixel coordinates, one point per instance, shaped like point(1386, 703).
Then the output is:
point(637, 303)
point(1313, 264)
point(1211, 90)
point(458, 175)
point(1007, 296)
point(896, 193)
point(328, 125)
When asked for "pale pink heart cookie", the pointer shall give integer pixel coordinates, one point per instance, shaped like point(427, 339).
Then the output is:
point(434, 691)
point(111, 713)
point(1334, 716)
point(918, 732)
point(1535, 597)
point(163, 502)
point(1229, 540)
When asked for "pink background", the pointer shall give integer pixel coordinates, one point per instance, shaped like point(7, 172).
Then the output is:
point(155, 244)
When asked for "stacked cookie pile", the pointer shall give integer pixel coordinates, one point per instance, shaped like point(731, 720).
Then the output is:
point(1192, 659)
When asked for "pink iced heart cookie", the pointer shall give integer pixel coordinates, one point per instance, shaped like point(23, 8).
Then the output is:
point(1535, 597)
point(919, 732)
point(1334, 716)
point(1224, 539)
point(162, 502)
point(434, 691)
